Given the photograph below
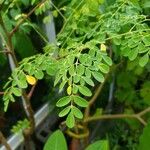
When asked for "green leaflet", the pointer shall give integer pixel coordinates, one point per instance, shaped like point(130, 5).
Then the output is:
point(17, 91)
point(70, 121)
point(75, 89)
point(77, 113)
point(56, 141)
point(64, 112)
point(22, 84)
point(39, 74)
point(104, 68)
point(80, 101)
point(50, 70)
point(85, 91)
point(88, 81)
point(20, 126)
point(144, 139)
point(144, 60)
point(71, 70)
point(133, 54)
point(98, 76)
point(63, 101)
point(76, 79)
point(99, 145)
point(107, 59)
point(80, 69)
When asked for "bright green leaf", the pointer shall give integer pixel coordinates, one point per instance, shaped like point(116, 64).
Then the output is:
point(88, 81)
point(17, 91)
point(63, 101)
point(80, 101)
point(56, 142)
point(70, 121)
point(98, 76)
point(144, 60)
point(64, 112)
point(99, 145)
point(77, 113)
point(85, 91)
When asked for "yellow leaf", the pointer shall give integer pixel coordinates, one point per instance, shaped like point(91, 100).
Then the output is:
point(103, 47)
point(69, 90)
point(31, 80)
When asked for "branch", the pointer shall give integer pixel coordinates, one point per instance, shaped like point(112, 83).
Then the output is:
point(9, 45)
point(6, 52)
point(1, 93)
point(8, 41)
point(68, 19)
point(4, 141)
point(27, 16)
point(137, 116)
point(30, 113)
point(31, 92)
point(58, 11)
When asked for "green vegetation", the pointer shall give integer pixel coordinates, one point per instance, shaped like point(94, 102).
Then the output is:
point(99, 42)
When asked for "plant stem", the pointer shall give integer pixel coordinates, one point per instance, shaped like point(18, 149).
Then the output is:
point(1, 93)
point(137, 116)
point(58, 10)
point(21, 21)
point(8, 42)
point(30, 112)
point(78, 136)
point(4, 141)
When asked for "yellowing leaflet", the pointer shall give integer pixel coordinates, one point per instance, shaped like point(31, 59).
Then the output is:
point(103, 47)
point(69, 90)
point(31, 80)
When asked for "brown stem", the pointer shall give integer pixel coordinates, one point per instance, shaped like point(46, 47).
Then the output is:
point(31, 92)
point(30, 113)
point(1, 93)
point(27, 141)
point(137, 116)
point(144, 111)
point(8, 41)
point(4, 141)
point(9, 46)
point(27, 16)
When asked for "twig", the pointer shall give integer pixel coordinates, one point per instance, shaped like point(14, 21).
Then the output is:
point(31, 92)
point(21, 21)
point(137, 116)
point(1, 93)
point(58, 11)
point(144, 111)
point(68, 19)
point(30, 114)
point(8, 41)
point(4, 141)
point(6, 52)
